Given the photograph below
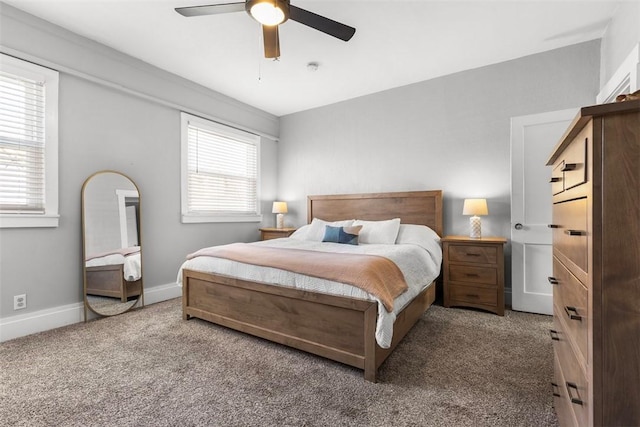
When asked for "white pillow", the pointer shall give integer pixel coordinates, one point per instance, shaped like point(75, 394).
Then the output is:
point(423, 236)
point(301, 233)
point(413, 233)
point(317, 228)
point(380, 232)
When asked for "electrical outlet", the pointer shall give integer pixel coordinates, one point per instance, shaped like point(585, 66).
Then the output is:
point(20, 302)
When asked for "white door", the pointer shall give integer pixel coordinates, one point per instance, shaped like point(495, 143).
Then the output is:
point(532, 139)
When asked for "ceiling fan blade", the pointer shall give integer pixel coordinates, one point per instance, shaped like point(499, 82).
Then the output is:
point(320, 23)
point(271, 41)
point(211, 9)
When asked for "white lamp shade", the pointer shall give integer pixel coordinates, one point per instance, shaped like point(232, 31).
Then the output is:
point(475, 207)
point(279, 207)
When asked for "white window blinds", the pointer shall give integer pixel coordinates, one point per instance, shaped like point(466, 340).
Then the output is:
point(22, 144)
point(221, 171)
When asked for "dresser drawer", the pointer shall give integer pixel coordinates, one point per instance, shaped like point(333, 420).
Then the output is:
point(473, 254)
point(570, 299)
point(574, 160)
point(570, 233)
point(475, 295)
point(557, 179)
point(472, 274)
point(561, 402)
point(575, 384)
point(570, 168)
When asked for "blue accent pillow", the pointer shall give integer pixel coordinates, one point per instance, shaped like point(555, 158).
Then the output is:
point(346, 235)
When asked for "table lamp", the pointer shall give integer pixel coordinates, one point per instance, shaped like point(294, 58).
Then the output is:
point(279, 208)
point(475, 207)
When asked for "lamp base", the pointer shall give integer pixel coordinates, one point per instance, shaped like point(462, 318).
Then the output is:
point(475, 227)
point(280, 221)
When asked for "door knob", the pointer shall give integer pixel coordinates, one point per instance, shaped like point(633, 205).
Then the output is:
point(518, 226)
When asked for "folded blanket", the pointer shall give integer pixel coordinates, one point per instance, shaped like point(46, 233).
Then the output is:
point(121, 251)
point(377, 275)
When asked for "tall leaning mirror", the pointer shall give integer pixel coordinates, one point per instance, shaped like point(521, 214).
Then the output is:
point(111, 250)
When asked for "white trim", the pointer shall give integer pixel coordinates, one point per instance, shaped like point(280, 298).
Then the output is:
point(629, 71)
point(195, 219)
point(28, 221)
point(56, 317)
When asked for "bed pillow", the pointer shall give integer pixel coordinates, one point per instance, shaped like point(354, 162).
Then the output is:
point(413, 233)
point(379, 232)
point(301, 232)
point(317, 227)
point(346, 235)
point(423, 236)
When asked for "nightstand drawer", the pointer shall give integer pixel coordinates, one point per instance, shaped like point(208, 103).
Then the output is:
point(473, 254)
point(472, 274)
point(473, 295)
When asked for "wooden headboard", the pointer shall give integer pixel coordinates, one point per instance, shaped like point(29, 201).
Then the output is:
point(412, 207)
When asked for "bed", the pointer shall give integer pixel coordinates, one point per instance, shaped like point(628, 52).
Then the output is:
point(115, 274)
point(341, 328)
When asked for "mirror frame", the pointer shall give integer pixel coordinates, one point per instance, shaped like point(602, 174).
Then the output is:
point(139, 301)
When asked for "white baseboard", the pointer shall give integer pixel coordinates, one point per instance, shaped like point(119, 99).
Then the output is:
point(52, 318)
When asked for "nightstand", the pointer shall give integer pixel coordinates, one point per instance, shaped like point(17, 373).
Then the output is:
point(474, 272)
point(275, 233)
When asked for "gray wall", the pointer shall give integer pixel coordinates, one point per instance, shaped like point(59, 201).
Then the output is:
point(131, 126)
point(450, 133)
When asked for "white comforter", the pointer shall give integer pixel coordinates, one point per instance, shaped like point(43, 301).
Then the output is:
point(419, 262)
point(132, 266)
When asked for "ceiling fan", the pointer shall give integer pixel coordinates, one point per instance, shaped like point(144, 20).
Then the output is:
point(271, 13)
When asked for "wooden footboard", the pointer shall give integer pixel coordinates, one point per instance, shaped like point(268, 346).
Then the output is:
point(108, 281)
point(338, 328)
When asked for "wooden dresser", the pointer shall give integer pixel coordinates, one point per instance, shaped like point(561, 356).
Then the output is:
point(595, 183)
point(474, 272)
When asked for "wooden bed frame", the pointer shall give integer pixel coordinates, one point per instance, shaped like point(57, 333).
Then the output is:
point(335, 327)
point(109, 281)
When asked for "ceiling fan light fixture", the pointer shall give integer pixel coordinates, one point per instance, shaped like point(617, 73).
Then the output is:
point(268, 12)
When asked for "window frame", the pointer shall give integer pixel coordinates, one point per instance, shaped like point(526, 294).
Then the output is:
point(221, 129)
point(50, 217)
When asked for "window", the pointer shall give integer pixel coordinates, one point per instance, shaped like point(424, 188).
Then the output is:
point(28, 144)
point(220, 169)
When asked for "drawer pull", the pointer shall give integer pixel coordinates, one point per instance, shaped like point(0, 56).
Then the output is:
point(473, 295)
point(472, 275)
point(554, 387)
point(572, 312)
point(552, 280)
point(553, 226)
point(468, 254)
point(572, 386)
point(569, 167)
point(574, 232)
point(554, 335)
point(555, 179)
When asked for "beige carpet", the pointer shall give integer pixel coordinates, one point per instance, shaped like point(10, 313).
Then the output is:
point(150, 368)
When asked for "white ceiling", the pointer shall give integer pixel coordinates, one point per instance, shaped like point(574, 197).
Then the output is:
point(396, 43)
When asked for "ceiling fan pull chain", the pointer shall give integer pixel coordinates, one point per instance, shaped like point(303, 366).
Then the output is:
point(260, 44)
